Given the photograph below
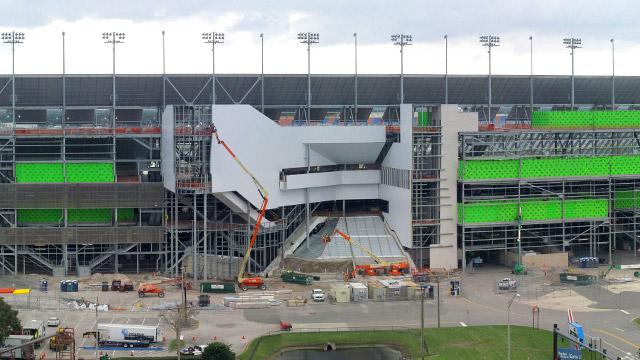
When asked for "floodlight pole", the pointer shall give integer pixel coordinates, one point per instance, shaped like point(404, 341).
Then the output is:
point(573, 44)
point(355, 79)
point(613, 74)
point(531, 76)
point(489, 41)
point(262, 72)
point(213, 38)
point(446, 69)
point(164, 76)
point(64, 94)
point(13, 38)
point(309, 38)
point(401, 40)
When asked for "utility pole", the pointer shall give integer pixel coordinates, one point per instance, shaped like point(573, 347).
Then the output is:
point(422, 352)
point(573, 44)
point(438, 300)
point(401, 40)
point(489, 41)
point(509, 325)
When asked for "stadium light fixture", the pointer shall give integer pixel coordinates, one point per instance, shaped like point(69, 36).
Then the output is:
point(489, 41)
point(113, 38)
point(309, 38)
point(402, 40)
point(572, 44)
point(213, 38)
point(13, 38)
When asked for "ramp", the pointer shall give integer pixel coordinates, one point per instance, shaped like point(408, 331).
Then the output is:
point(369, 231)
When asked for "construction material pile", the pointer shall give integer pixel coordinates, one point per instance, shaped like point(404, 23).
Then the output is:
point(257, 300)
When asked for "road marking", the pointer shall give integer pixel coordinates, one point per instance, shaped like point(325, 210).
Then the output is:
point(635, 346)
point(463, 324)
point(619, 329)
point(624, 311)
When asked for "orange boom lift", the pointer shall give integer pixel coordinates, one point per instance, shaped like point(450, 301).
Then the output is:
point(256, 281)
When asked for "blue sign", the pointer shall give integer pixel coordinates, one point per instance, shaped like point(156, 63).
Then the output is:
point(569, 354)
point(576, 332)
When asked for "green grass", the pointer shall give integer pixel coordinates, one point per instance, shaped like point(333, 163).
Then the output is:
point(481, 342)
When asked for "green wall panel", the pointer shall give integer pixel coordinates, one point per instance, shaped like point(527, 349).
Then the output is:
point(125, 215)
point(78, 216)
point(488, 169)
point(89, 172)
point(626, 199)
point(39, 216)
point(424, 118)
point(532, 210)
point(39, 173)
point(585, 119)
point(549, 167)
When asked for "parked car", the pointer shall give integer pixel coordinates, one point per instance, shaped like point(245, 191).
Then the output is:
point(53, 321)
point(317, 295)
point(195, 350)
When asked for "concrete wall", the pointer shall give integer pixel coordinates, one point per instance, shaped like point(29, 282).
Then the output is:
point(266, 148)
point(445, 254)
point(540, 261)
point(399, 157)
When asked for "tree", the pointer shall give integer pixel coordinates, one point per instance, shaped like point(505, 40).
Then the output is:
point(9, 322)
point(177, 320)
point(218, 351)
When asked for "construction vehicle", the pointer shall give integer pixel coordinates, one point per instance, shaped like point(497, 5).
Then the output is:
point(245, 283)
point(119, 285)
point(145, 289)
point(381, 267)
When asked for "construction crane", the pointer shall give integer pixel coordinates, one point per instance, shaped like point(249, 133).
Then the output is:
point(256, 281)
point(393, 268)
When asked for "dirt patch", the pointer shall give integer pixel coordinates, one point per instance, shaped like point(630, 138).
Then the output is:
point(311, 266)
point(559, 299)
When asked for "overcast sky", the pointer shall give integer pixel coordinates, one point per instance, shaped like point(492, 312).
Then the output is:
point(548, 21)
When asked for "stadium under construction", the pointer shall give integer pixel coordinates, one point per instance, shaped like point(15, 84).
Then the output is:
point(124, 173)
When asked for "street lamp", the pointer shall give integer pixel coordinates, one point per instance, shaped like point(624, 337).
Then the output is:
point(309, 38)
point(573, 44)
point(509, 325)
point(446, 69)
point(489, 41)
point(213, 38)
point(401, 40)
point(613, 74)
point(13, 38)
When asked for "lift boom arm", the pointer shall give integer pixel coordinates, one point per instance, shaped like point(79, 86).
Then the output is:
point(264, 194)
point(361, 247)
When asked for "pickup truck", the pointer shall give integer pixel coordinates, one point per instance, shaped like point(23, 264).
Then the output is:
point(507, 284)
point(317, 295)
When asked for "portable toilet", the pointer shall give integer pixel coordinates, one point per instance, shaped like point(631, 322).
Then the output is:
point(74, 285)
point(454, 287)
point(63, 286)
point(44, 284)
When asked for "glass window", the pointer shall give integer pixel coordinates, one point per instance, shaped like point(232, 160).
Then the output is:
point(150, 116)
point(54, 116)
point(103, 117)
